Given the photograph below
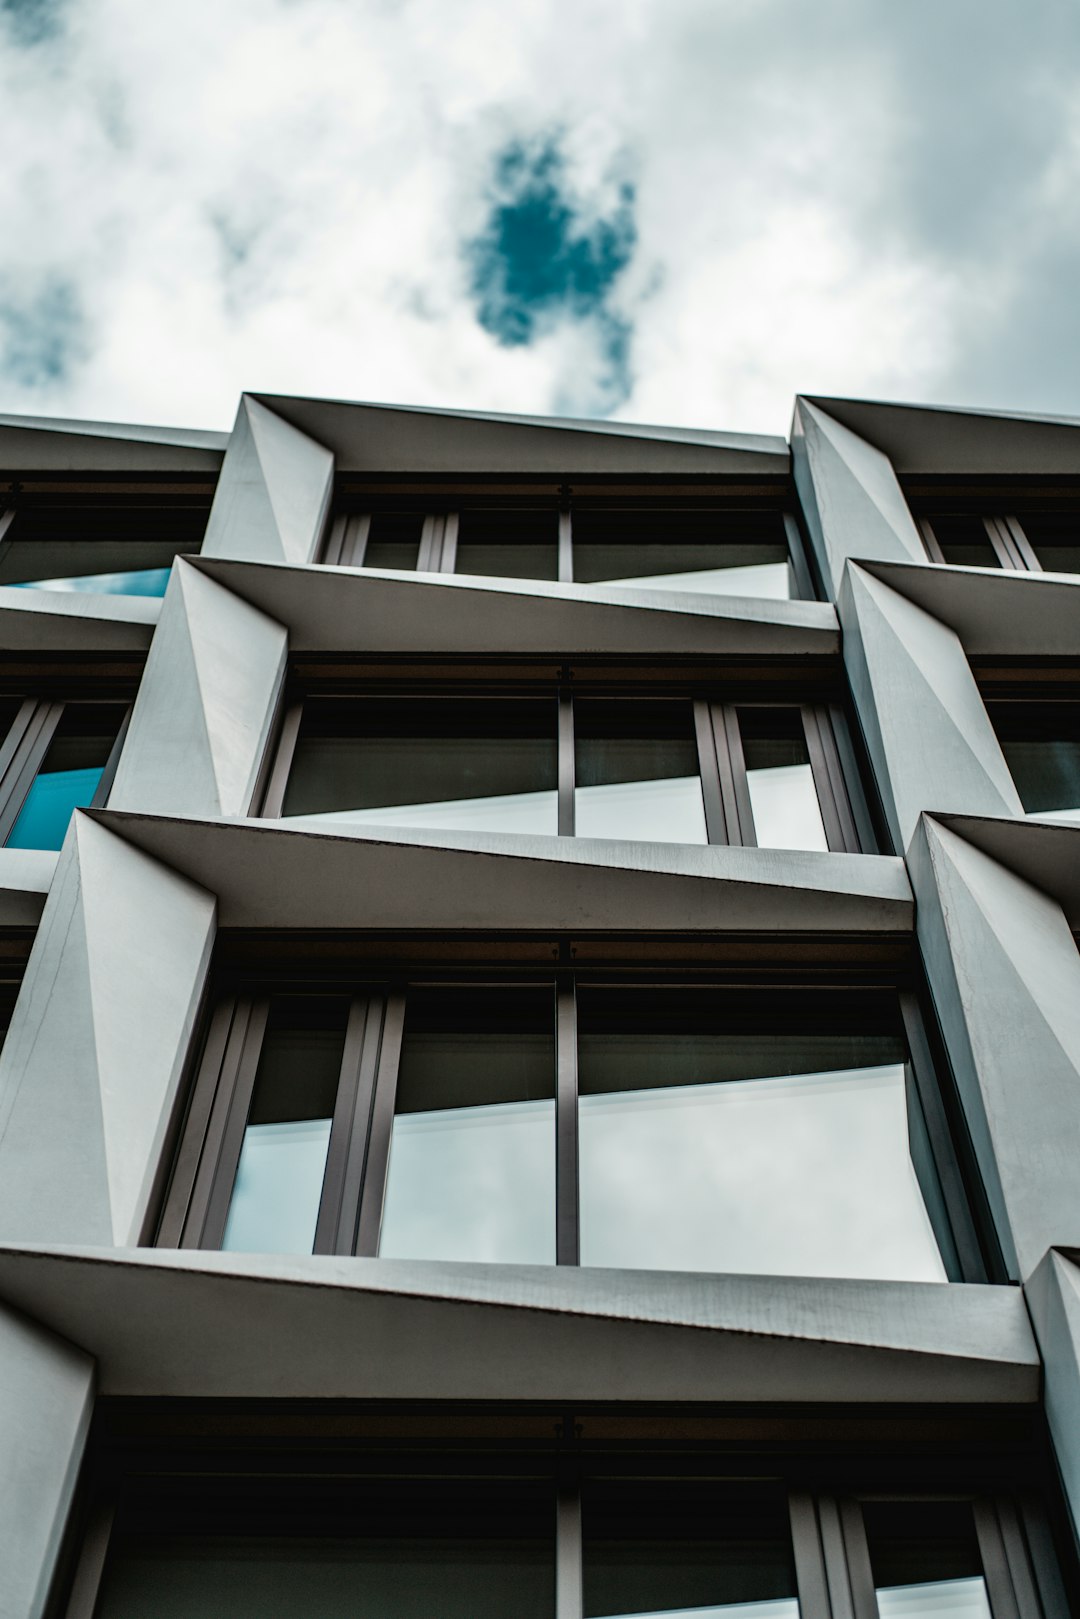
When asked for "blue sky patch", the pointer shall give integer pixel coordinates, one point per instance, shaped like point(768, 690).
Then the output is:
point(540, 258)
point(42, 335)
point(31, 22)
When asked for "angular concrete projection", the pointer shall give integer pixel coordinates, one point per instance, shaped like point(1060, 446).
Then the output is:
point(995, 612)
point(274, 492)
point(285, 874)
point(90, 1068)
point(1053, 1298)
point(46, 1400)
point(176, 1324)
point(930, 739)
point(25, 878)
point(53, 444)
point(74, 621)
point(1006, 977)
point(206, 703)
point(853, 504)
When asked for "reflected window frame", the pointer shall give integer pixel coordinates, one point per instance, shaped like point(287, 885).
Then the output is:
point(195, 1208)
point(1025, 705)
point(350, 531)
point(130, 515)
point(1009, 542)
point(729, 817)
point(24, 749)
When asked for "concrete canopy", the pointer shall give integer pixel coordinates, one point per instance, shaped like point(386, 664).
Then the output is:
point(53, 444)
point(993, 611)
point(935, 440)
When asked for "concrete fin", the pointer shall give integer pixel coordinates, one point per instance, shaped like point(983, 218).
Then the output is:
point(145, 988)
point(273, 493)
point(1053, 1299)
point(854, 504)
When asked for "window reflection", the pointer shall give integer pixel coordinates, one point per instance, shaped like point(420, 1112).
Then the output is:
point(964, 542)
point(666, 1551)
point(742, 1132)
point(393, 540)
point(509, 544)
point(278, 1186)
point(70, 774)
point(428, 762)
point(1055, 539)
point(725, 553)
point(780, 780)
point(1041, 744)
point(925, 1560)
point(472, 1155)
point(137, 582)
point(637, 772)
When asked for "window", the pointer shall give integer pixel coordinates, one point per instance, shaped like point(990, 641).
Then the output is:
point(86, 538)
point(659, 545)
point(1041, 744)
point(563, 1530)
point(1036, 542)
point(718, 1126)
point(56, 757)
point(671, 770)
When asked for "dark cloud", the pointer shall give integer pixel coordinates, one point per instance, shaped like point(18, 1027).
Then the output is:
point(42, 334)
point(32, 22)
point(540, 259)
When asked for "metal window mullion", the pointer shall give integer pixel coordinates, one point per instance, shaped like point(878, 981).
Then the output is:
point(427, 560)
point(335, 540)
point(354, 540)
point(90, 1566)
point(7, 518)
point(112, 764)
point(567, 766)
point(566, 546)
point(797, 560)
point(26, 762)
point(930, 540)
point(729, 753)
point(448, 556)
point(1016, 1555)
point(1006, 550)
point(716, 824)
point(335, 1230)
point(1039, 1542)
point(377, 1159)
point(274, 797)
point(840, 831)
point(834, 1556)
point(945, 1163)
point(1003, 1597)
point(810, 1578)
point(225, 1137)
point(1021, 544)
point(567, 1168)
point(211, 1068)
point(860, 1575)
point(21, 733)
point(569, 1596)
point(848, 764)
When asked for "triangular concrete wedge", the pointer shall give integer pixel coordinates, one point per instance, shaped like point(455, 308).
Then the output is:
point(995, 613)
point(224, 1326)
point(274, 492)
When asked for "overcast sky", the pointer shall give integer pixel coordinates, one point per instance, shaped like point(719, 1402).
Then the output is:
point(675, 211)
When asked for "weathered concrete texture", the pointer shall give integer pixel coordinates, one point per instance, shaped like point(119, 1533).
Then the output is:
point(46, 1398)
point(274, 491)
point(994, 612)
point(220, 1325)
point(202, 719)
point(930, 740)
point(853, 505)
point(1053, 1298)
point(344, 610)
point(310, 874)
point(1006, 979)
point(91, 1064)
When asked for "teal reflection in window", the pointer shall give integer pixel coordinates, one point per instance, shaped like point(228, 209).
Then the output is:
point(137, 582)
point(70, 776)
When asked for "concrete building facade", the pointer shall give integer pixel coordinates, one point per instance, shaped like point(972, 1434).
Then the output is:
point(543, 1058)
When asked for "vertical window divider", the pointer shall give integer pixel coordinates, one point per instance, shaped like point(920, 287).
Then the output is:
point(354, 539)
point(448, 557)
point(1038, 1544)
point(384, 1098)
point(716, 823)
point(797, 562)
point(90, 1566)
point(7, 518)
point(567, 765)
point(860, 1575)
point(430, 552)
point(335, 1228)
point(929, 539)
point(922, 1068)
point(1006, 1601)
point(26, 761)
point(1004, 544)
point(834, 1555)
point(854, 795)
point(840, 830)
point(274, 797)
point(108, 775)
point(192, 1150)
point(335, 540)
point(566, 547)
point(810, 1577)
point(225, 1135)
point(569, 1597)
point(729, 753)
point(1022, 545)
point(567, 1199)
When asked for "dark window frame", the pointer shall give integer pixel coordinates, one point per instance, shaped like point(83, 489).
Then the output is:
point(830, 1559)
point(1006, 536)
point(348, 532)
point(728, 815)
point(23, 751)
point(196, 1204)
point(112, 509)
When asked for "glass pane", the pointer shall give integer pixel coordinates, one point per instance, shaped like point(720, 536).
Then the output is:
point(964, 541)
point(1055, 539)
point(1041, 744)
point(139, 582)
point(676, 1550)
point(637, 772)
point(428, 762)
point(780, 780)
point(69, 776)
point(394, 540)
point(472, 1155)
point(748, 1130)
point(725, 553)
point(107, 549)
point(278, 1186)
point(454, 1551)
point(509, 544)
point(925, 1560)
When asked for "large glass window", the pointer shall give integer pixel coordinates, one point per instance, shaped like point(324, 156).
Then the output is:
point(660, 769)
point(1041, 744)
point(1033, 542)
point(730, 554)
point(56, 757)
point(713, 1127)
point(99, 546)
point(925, 1560)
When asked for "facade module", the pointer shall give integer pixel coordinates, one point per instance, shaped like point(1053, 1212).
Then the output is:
point(542, 1058)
